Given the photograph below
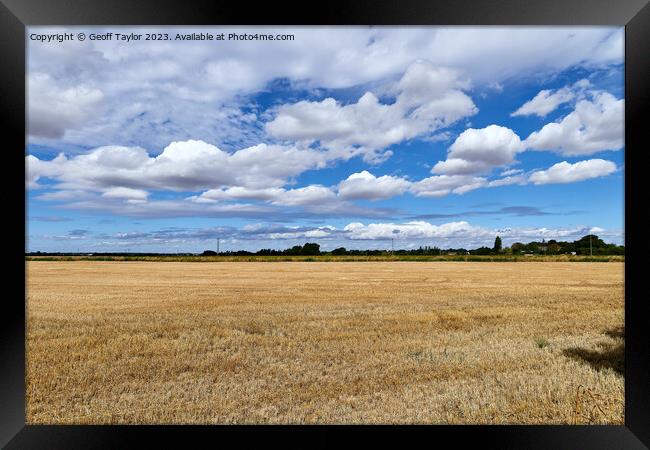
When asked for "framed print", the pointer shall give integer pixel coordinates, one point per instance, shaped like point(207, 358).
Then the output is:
point(377, 214)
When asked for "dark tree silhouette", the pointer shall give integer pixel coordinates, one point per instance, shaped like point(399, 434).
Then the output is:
point(497, 245)
point(311, 249)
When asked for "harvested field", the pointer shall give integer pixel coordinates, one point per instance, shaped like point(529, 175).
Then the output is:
point(324, 342)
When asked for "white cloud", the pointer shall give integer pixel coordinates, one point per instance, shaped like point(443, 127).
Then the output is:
point(364, 185)
point(53, 109)
point(480, 150)
point(182, 166)
point(126, 193)
point(508, 180)
point(544, 102)
point(119, 180)
point(427, 98)
point(462, 233)
point(595, 125)
point(496, 86)
point(565, 172)
point(316, 233)
point(548, 100)
point(508, 172)
point(151, 208)
point(354, 235)
point(441, 185)
point(238, 193)
point(409, 230)
point(33, 171)
point(312, 195)
point(154, 93)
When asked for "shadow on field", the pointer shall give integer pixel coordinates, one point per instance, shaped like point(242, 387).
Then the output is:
point(608, 356)
point(616, 333)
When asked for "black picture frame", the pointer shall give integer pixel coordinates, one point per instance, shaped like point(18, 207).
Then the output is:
point(15, 15)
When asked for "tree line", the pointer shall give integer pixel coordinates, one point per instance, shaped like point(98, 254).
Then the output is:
point(587, 245)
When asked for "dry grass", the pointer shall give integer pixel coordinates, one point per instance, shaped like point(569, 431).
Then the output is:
point(372, 342)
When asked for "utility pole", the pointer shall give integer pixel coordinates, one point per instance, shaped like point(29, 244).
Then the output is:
point(218, 246)
point(591, 253)
point(392, 246)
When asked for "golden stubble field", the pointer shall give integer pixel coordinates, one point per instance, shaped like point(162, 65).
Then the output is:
point(324, 342)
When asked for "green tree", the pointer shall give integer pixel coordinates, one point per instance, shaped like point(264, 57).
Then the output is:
point(295, 250)
point(497, 245)
point(553, 248)
point(588, 244)
point(517, 247)
point(311, 249)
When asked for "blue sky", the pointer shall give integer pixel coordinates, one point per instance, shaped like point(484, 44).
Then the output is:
point(345, 136)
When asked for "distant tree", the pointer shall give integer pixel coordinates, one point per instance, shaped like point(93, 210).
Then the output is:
point(268, 252)
point(582, 245)
point(596, 242)
point(295, 250)
point(497, 245)
point(517, 247)
point(532, 247)
point(311, 249)
point(567, 247)
point(616, 249)
point(553, 248)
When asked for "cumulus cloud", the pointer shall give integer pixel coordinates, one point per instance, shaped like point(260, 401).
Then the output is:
point(309, 195)
point(508, 180)
point(253, 182)
point(316, 196)
point(548, 100)
point(238, 193)
point(441, 185)
point(460, 233)
point(409, 230)
point(34, 169)
point(354, 235)
point(480, 150)
point(135, 121)
point(565, 172)
point(427, 98)
point(151, 93)
point(120, 179)
point(595, 125)
point(130, 195)
point(53, 109)
point(182, 166)
point(364, 185)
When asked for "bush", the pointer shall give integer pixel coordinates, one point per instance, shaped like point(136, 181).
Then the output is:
point(541, 342)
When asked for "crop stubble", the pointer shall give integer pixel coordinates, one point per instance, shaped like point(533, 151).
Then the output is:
point(324, 342)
